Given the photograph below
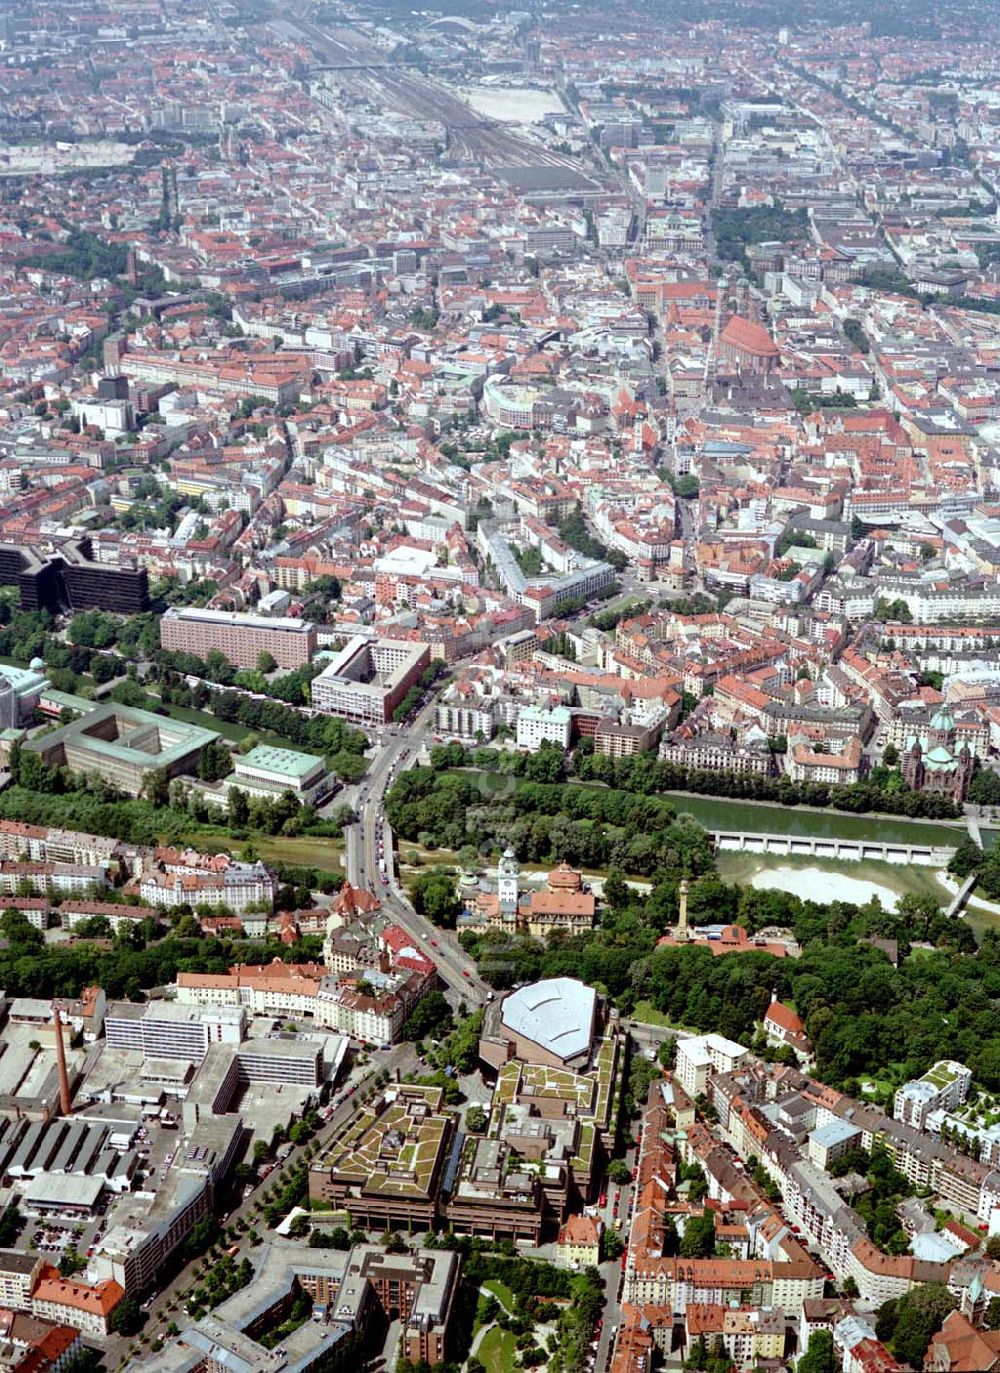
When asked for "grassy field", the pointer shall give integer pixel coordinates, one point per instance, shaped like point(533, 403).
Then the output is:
point(876, 1084)
point(229, 729)
point(308, 850)
point(496, 1353)
point(649, 1015)
point(502, 1292)
point(624, 602)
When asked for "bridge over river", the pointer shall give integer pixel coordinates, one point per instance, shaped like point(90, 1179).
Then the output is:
point(842, 850)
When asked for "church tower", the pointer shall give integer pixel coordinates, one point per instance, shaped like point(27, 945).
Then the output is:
point(942, 732)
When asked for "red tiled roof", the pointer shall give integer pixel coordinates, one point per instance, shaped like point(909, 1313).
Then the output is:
point(749, 337)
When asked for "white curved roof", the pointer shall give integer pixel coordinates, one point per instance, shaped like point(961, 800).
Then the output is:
point(556, 1014)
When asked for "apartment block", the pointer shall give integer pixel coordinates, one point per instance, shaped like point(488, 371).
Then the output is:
point(242, 638)
point(536, 726)
point(942, 1087)
point(702, 1055)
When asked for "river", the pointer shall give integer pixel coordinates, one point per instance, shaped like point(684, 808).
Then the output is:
point(720, 813)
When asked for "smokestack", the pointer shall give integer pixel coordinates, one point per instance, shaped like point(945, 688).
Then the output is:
point(65, 1100)
point(682, 923)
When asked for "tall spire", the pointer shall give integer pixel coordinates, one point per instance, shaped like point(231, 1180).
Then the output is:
point(682, 923)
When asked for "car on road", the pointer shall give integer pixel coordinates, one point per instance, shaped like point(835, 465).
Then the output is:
point(604, 1199)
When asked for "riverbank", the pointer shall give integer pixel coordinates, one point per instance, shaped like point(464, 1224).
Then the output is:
point(764, 817)
point(811, 822)
point(829, 880)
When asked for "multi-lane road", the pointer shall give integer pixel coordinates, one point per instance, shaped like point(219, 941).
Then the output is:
point(456, 970)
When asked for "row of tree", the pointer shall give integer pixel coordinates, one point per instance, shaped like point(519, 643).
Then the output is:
point(646, 775)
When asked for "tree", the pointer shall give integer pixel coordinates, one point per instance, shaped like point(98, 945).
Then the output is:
point(21, 933)
point(126, 1318)
point(475, 1120)
point(966, 858)
point(698, 1240)
point(71, 1262)
point(619, 1172)
point(431, 1016)
point(908, 1322)
point(10, 1226)
point(616, 889)
point(819, 1356)
point(97, 927)
point(238, 808)
point(156, 787)
point(266, 662)
point(349, 767)
point(298, 1226)
point(984, 788)
point(433, 894)
point(214, 761)
point(612, 1244)
point(989, 873)
point(218, 668)
point(36, 775)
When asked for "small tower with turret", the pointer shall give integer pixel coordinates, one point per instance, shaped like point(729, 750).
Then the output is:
point(508, 884)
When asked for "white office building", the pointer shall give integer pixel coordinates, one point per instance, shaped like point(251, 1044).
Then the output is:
point(536, 724)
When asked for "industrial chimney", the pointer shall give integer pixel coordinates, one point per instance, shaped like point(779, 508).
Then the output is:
point(65, 1099)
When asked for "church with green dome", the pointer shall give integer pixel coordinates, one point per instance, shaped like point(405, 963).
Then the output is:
point(933, 763)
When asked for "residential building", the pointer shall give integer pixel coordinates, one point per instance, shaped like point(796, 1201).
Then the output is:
point(701, 1056)
point(241, 638)
point(579, 1242)
point(942, 1087)
point(537, 725)
point(70, 1301)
